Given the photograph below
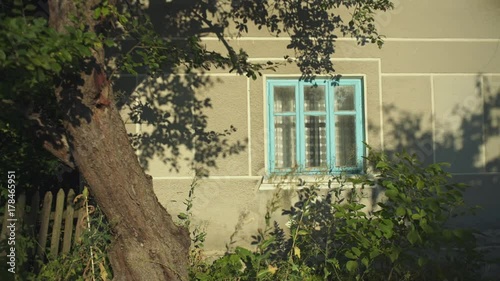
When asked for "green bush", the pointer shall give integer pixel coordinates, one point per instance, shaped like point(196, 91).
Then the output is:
point(87, 260)
point(332, 237)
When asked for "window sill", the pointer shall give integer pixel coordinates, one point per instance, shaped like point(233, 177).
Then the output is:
point(299, 182)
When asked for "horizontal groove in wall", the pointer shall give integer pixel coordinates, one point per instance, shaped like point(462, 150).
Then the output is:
point(332, 59)
point(212, 178)
point(390, 39)
point(437, 74)
point(337, 59)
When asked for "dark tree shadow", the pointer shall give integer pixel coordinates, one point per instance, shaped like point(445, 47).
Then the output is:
point(175, 127)
point(170, 103)
point(171, 106)
point(462, 147)
point(492, 122)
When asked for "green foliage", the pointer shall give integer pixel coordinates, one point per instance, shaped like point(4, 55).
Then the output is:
point(334, 236)
point(25, 246)
point(88, 259)
point(17, 153)
point(33, 61)
point(32, 55)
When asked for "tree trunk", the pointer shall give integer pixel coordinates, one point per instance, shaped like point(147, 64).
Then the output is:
point(147, 245)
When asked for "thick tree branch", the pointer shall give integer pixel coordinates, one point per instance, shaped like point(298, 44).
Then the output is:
point(62, 153)
point(53, 139)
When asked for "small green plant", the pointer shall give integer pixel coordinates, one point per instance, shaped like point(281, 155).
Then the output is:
point(88, 259)
point(197, 232)
point(332, 235)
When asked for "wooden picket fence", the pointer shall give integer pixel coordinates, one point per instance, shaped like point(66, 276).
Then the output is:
point(62, 220)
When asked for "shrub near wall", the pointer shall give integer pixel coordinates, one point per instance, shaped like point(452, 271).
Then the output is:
point(332, 238)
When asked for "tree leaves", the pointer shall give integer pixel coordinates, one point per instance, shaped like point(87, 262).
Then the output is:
point(351, 266)
point(33, 48)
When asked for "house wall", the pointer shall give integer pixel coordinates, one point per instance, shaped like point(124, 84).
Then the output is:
point(433, 89)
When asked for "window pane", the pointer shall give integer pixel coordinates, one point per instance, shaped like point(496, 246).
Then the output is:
point(345, 141)
point(284, 141)
point(344, 97)
point(314, 98)
point(315, 141)
point(284, 98)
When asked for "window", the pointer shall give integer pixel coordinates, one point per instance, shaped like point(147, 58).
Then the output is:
point(315, 126)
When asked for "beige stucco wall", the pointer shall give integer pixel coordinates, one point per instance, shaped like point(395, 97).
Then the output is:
point(433, 89)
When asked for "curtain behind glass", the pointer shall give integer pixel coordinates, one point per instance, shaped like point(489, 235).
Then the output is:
point(285, 142)
point(345, 141)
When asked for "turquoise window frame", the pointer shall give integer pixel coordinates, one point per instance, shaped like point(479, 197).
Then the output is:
point(330, 127)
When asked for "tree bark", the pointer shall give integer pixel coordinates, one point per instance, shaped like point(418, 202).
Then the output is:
point(147, 245)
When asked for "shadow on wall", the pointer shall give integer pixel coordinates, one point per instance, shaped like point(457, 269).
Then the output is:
point(170, 107)
point(467, 136)
point(182, 126)
point(174, 125)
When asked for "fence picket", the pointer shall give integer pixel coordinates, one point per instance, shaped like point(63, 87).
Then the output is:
point(44, 223)
point(33, 217)
point(68, 222)
point(34, 210)
point(80, 224)
point(20, 211)
point(56, 228)
point(29, 213)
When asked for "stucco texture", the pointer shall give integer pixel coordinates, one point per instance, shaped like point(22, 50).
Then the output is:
point(432, 89)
